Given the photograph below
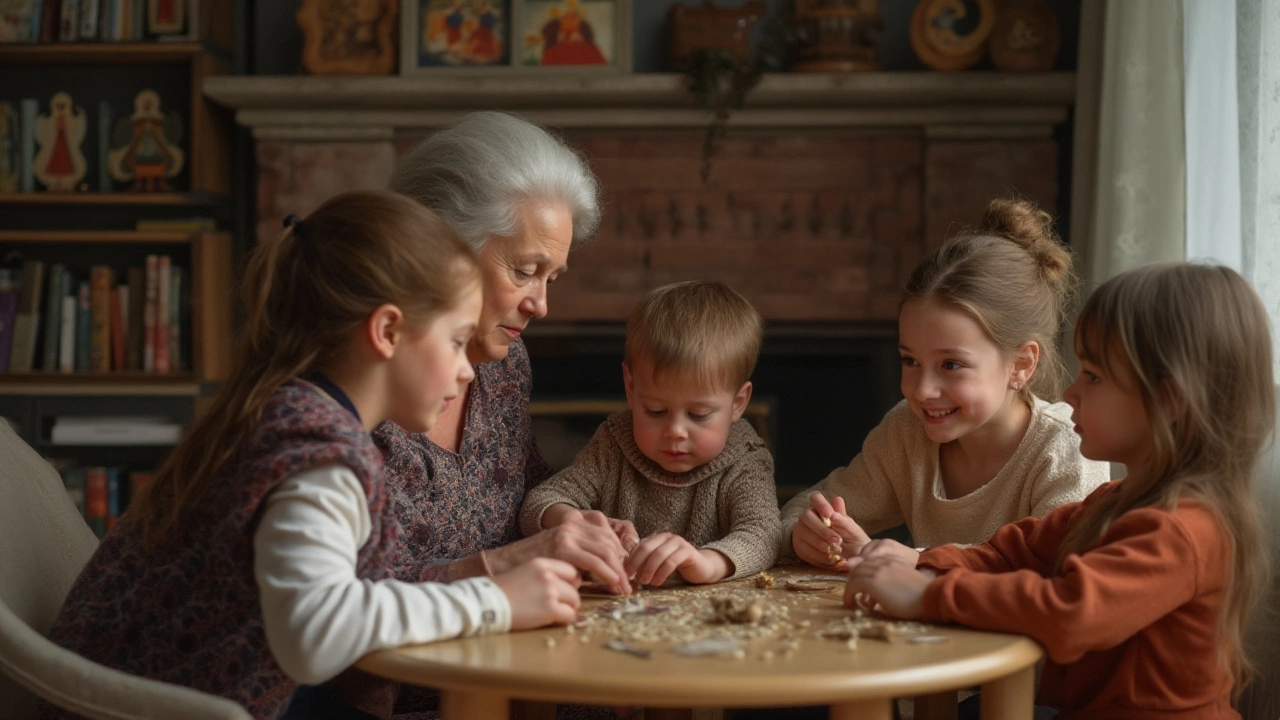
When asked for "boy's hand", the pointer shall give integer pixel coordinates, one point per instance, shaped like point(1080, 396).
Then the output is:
point(541, 592)
point(814, 542)
point(891, 550)
point(898, 588)
point(657, 556)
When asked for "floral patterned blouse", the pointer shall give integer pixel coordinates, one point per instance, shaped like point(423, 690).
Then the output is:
point(452, 505)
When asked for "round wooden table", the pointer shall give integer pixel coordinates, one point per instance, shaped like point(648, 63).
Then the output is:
point(479, 676)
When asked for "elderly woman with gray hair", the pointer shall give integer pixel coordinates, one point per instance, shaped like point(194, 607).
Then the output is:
point(523, 199)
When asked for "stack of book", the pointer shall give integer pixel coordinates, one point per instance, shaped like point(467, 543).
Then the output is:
point(99, 21)
point(100, 493)
point(65, 324)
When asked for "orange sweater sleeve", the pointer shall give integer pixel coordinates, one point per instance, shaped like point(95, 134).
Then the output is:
point(1146, 566)
point(1029, 544)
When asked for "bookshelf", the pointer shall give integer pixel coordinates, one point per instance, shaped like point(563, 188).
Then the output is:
point(94, 227)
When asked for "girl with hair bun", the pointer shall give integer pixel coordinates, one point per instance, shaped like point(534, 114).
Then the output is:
point(1141, 593)
point(977, 441)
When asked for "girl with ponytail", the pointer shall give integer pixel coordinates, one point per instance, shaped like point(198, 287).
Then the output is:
point(265, 554)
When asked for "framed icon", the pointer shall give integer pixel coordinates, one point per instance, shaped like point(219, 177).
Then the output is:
point(496, 36)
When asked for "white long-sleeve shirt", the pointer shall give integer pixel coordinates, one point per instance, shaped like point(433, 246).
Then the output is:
point(319, 617)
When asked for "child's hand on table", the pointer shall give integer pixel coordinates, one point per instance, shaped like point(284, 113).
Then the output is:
point(541, 592)
point(897, 587)
point(892, 550)
point(816, 542)
point(657, 556)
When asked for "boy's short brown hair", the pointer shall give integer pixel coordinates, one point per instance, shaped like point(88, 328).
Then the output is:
point(700, 326)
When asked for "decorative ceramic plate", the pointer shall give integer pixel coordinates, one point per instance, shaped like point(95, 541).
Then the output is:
point(952, 34)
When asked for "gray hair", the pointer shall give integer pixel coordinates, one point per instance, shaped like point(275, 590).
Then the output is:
point(479, 171)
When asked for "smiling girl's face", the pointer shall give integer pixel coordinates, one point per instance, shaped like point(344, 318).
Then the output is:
point(954, 377)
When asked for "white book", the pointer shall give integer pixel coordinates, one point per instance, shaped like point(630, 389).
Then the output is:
point(115, 431)
point(67, 346)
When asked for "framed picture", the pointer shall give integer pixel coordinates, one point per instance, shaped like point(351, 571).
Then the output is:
point(578, 35)
point(454, 35)
point(166, 17)
point(501, 36)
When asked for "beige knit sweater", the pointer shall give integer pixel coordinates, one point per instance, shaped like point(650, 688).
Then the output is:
point(729, 504)
point(896, 479)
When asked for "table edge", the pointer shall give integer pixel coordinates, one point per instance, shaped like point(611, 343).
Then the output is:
point(811, 689)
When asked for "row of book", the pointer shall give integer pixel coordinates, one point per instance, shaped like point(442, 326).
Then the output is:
point(100, 493)
point(61, 324)
point(99, 20)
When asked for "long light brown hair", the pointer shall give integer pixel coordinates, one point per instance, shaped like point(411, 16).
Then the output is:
point(1194, 341)
point(305, 293)
point(1013, 276)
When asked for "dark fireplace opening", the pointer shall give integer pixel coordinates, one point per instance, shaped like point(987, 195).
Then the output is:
point(817, 391)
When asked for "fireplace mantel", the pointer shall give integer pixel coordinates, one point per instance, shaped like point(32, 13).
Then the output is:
point(973, 105)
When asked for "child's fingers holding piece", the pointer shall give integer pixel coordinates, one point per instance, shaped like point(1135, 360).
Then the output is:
point(819, 505)
point(815, 524)
point(650, 555)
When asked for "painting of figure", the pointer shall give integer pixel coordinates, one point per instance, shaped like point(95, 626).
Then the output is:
point(462, 32)
point(145, 146)
point(60, 163)
point(568, 32)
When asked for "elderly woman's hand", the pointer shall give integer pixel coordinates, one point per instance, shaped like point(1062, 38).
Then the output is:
point(587, 542)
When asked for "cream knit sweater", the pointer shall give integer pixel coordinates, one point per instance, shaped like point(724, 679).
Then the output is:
point(729, 504)
point(896, 479)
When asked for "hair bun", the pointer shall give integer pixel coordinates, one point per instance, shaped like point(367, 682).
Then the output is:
point(1023, 223)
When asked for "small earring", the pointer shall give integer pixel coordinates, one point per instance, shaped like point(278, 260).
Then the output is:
point(1017, 386)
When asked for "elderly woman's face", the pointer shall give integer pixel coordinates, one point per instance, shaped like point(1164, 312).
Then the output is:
point(517, 270)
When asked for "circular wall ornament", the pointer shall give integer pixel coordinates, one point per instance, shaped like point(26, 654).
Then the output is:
point(1025, 37)
point(952, 34)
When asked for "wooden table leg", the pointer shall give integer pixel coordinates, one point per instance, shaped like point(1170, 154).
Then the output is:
point(940, 706)
point(458, 705)
point(863, 710)
point(1012, 696)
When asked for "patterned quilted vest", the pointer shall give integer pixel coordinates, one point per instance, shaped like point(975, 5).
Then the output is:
point(188, 613)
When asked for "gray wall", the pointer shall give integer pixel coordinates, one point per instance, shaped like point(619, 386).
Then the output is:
point(277, 42)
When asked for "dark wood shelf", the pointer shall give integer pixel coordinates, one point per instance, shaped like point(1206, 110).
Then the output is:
point(43, 383)
point(111, 198)
point(95, 236)
point(117, 53)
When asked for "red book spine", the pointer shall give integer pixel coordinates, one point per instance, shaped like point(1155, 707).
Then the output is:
point(149, 315)
point(162, 316)
point(95, 499)
point(117, 330)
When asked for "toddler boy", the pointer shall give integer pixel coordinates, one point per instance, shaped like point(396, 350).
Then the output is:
point(680, 468)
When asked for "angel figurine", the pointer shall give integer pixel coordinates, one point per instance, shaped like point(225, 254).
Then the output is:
point(145, 146)
point(60, 165)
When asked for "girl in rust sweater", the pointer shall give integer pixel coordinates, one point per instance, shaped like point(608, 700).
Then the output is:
point(1139, 593)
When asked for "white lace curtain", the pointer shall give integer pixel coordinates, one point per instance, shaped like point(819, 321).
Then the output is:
point(1177, 148)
